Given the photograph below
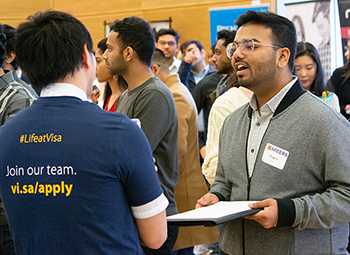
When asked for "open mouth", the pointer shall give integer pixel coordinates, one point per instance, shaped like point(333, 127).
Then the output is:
point(241, 68)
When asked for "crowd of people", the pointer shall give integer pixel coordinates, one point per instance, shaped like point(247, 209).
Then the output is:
point(260, 122)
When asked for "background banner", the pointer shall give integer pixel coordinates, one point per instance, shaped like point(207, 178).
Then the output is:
point(344, 15)
point(224, 17)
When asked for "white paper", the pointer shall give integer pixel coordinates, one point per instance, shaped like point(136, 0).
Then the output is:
point(217, 210)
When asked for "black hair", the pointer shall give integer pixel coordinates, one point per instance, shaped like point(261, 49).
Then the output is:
point(10, 33)
point(136, 33)
point(2, 46)
point(160, 57)
point(49, 46)
point(283, 30)
point(228, 35)
point(307, 49)
point(184, 46)
point(123, 85)
point(167, 31)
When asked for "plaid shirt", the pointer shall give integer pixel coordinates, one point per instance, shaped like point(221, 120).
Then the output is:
point(324, 50)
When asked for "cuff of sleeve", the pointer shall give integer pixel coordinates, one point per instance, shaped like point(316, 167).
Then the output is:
point(286, 213)
point(150, 209)
point(221, 197)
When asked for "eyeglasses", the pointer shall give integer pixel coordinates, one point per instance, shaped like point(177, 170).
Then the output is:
point(163, 43)
point(247, 47)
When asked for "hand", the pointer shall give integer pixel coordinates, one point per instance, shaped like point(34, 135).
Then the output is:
point(207, 199)
point(190, 57)
point(202, 151)
point(268, 216)
point(95, 95)
point(155, 166)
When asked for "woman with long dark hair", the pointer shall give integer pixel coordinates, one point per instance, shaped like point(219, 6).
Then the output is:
point(308, 68)
point(115, 85)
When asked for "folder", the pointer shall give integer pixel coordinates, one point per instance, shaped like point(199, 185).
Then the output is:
point(213, 215)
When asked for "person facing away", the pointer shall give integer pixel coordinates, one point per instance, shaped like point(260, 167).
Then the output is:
point(308, 68)
point(13, 98)
point(10, 63)
point(115, 85)
point(76, 179)
point(191, 184)
point(193, 67)
point(130, 47)
point(167, 40)
point(294, 162)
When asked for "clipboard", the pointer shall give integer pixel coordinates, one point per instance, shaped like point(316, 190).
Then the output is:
point(218, 213)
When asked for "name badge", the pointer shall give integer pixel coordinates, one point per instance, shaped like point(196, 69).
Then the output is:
point(275, 156)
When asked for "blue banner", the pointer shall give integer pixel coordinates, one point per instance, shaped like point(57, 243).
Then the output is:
point(224, 17)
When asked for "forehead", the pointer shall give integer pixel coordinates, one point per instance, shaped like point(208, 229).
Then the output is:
point(112, 38)
point(305, 59)
point(220, 43)
point(257, 32)
point(192, 46)
point(166, 38)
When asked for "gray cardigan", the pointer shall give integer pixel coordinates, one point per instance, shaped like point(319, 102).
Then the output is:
point(313, 189)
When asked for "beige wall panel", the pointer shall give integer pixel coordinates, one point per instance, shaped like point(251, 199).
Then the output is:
point(16, 12)
point(91, 8)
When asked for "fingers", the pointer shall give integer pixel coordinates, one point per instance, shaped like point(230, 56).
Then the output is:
point(207, 199)
point(268, 216)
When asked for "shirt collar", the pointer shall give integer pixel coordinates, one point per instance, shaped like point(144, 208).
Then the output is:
point(63, 89)
point(275, 101)
point(200, 76)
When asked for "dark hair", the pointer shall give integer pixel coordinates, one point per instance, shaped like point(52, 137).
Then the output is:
point(159, 57)
point(184, 46)
point(2, 46)
point(168, 31)
point(307, 49)
point(283, 30)
point(49, 46)
point(123, 85)
point(136, 33)
point(321, 7)
point(10, 33)
point(228, 35)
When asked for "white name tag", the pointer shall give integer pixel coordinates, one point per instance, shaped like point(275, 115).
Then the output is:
point(275, 156)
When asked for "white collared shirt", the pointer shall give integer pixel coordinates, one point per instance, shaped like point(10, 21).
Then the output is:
point(63, 89)
point(259, 123)
point(174, 68)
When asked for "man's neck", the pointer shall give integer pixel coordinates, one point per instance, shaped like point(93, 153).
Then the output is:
point(137, 76)
point(198, 67)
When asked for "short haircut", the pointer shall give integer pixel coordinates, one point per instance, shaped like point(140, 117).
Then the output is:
point(160, 58)
point(136, 33)
point(228, 35)
point(283, 30)
point(184, 46)
point(307, 49)
point(2, 46)
point(168, 31)
point(10, 33)
point(49, 46)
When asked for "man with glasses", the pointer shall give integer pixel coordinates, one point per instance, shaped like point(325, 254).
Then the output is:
point(285, 148)
point(167, 40)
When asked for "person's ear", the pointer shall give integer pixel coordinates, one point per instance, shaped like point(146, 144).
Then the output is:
point(87, 56)
point(177, 47)
point(155, 69)
point(283, 57)
point(10, 57)
point(128, 53)
point(203, 53)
